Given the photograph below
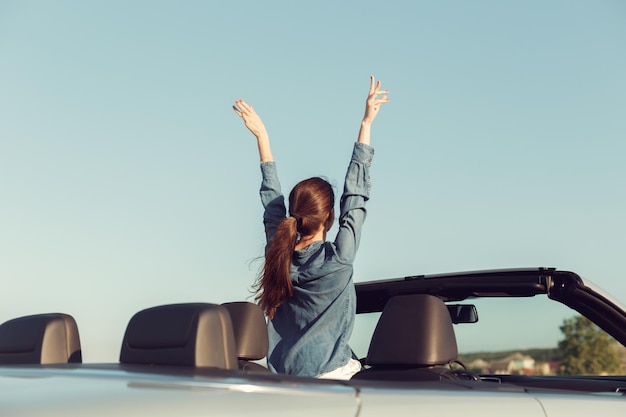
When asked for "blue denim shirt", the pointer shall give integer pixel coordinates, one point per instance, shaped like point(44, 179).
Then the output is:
point(310, 331)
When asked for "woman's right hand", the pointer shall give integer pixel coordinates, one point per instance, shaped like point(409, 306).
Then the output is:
point(252, 120)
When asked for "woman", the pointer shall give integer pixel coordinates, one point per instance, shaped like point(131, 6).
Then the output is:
point(306, 287)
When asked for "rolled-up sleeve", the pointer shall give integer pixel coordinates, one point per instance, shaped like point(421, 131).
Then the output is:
point(272, 199)
point(356, 192)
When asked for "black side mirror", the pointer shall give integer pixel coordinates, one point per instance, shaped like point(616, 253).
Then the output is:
point(463, 313)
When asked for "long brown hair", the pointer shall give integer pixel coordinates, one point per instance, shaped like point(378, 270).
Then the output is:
point(311, 205)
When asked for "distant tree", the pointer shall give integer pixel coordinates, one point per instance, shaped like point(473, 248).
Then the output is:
point(587, 349)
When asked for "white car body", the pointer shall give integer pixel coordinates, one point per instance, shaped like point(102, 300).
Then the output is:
point(84, 390)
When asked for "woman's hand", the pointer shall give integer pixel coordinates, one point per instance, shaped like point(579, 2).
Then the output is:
point(374, 101)
point(254, 123)
point(372, 106)
point(252, 120)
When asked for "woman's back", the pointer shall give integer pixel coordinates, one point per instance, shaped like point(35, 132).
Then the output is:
point(306, 286)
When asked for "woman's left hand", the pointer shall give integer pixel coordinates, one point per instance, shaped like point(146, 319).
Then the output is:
point(374, 101)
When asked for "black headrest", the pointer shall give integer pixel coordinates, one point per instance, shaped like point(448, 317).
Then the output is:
point(41, 338)
point(250, 330)
point(413, 330)
point(194, 334)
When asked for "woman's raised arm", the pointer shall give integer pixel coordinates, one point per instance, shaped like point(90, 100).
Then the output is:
point(372, 106)
point(254, 123)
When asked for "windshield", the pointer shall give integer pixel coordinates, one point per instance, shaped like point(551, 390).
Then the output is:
point(513, 335)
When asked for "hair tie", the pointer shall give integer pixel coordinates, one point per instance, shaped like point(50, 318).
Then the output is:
point(298, 219)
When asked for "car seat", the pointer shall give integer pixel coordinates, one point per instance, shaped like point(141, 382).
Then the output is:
point(40, 339)
point(413, 340)
point(250, 331)
point(192, 334)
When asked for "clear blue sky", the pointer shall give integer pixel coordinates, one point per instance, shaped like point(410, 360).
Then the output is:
point(127, 181)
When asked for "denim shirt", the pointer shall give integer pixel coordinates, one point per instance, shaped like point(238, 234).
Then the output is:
point(310, 331)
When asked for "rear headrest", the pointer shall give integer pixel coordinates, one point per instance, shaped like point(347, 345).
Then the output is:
point(194, 334)
point(40, 339)
point(250, 330)
point(414, 330)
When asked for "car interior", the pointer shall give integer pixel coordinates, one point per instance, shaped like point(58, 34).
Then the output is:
point(232, 337)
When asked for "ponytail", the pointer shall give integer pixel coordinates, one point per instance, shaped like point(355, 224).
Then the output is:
point(275, 280)
point(313, 200)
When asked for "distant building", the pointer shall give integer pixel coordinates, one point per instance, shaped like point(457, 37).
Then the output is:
point(516, 363)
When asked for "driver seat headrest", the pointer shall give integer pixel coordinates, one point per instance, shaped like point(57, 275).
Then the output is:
point(413, 331)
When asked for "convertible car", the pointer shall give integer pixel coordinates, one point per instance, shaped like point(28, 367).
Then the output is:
point(206, 359)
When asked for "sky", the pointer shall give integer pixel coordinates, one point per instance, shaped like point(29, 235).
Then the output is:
point(127, 181)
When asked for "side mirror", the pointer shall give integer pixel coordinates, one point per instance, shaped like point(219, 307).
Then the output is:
point(463, 313)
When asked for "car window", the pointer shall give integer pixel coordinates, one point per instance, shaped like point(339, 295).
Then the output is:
point(521, 336)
